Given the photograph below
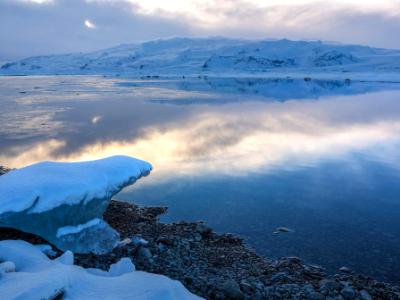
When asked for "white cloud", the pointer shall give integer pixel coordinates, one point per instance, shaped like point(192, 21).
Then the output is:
point(298, 19)
point(215, 11)
point(38, 1)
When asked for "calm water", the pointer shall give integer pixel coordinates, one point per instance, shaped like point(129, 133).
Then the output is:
point(245, 155)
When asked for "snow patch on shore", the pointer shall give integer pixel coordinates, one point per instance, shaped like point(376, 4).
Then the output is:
point(32, 275)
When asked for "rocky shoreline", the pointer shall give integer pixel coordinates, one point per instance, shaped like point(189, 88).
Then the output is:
point(216, 266)
point(3, 170)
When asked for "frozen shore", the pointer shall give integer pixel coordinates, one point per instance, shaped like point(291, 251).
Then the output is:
point(214, 266)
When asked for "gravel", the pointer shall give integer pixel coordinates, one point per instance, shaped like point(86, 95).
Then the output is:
point(221, 266)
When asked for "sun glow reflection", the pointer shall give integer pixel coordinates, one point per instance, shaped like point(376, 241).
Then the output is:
point(234, 138)
point(89, 24)
point(181, 151)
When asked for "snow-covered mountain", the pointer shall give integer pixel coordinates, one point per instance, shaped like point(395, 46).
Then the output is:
point(191, 56)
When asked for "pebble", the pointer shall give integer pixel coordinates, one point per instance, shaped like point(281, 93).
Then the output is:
point(327, 286)
point(203, 229)
point(197, 237)
point(124, 242)
point(282, 230)
point(231, 290)
point(280, 277)
point(348, 292)
point(345, 270)
point(315, 296)
point(139, 241)
point(165, 241)
point(145, 254)
point(365, 295)
point(246, 287)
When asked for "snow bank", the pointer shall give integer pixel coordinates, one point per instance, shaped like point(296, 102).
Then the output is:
point(46, 185)
point(37, 277)
point(64, 202)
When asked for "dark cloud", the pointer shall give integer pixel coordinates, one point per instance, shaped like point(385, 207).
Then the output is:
point(34, 29)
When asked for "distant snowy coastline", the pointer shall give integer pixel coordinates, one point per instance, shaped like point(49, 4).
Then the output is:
point(218, 57)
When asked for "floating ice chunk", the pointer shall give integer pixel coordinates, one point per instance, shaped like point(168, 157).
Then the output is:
point(64, 202)
point(38, 277)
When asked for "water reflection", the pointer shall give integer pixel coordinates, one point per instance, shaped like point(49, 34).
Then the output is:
point(91, 121)
point(342, 212)
point(261, 89)
point(324, 161)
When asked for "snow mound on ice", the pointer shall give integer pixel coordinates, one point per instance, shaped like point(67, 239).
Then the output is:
point(64, 202)
point(37, 277)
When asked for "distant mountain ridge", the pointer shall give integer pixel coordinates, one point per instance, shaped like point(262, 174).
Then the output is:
point(189, 56)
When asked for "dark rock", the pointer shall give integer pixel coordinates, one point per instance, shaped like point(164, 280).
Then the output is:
point(310, 293)
point(246, 287)
point(281, 277)
point(365, 295)
point(348, 292)
point(203, 229)
point(345, 270)
point(327, 286)
point(231, 290)
point(145, 255)
point(166, 241)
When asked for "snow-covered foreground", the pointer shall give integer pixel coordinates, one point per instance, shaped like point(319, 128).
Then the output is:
point(64, 202)
point(26, 273)
point(210, 56)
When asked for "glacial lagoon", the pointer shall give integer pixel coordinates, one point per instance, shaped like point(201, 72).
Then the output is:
point(246, 155)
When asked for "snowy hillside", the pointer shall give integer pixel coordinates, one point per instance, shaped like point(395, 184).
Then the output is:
point(185, 56)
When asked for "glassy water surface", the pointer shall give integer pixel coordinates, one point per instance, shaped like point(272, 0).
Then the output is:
point(245, 155)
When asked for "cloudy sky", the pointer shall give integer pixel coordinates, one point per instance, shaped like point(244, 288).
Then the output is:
point(34, 27)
